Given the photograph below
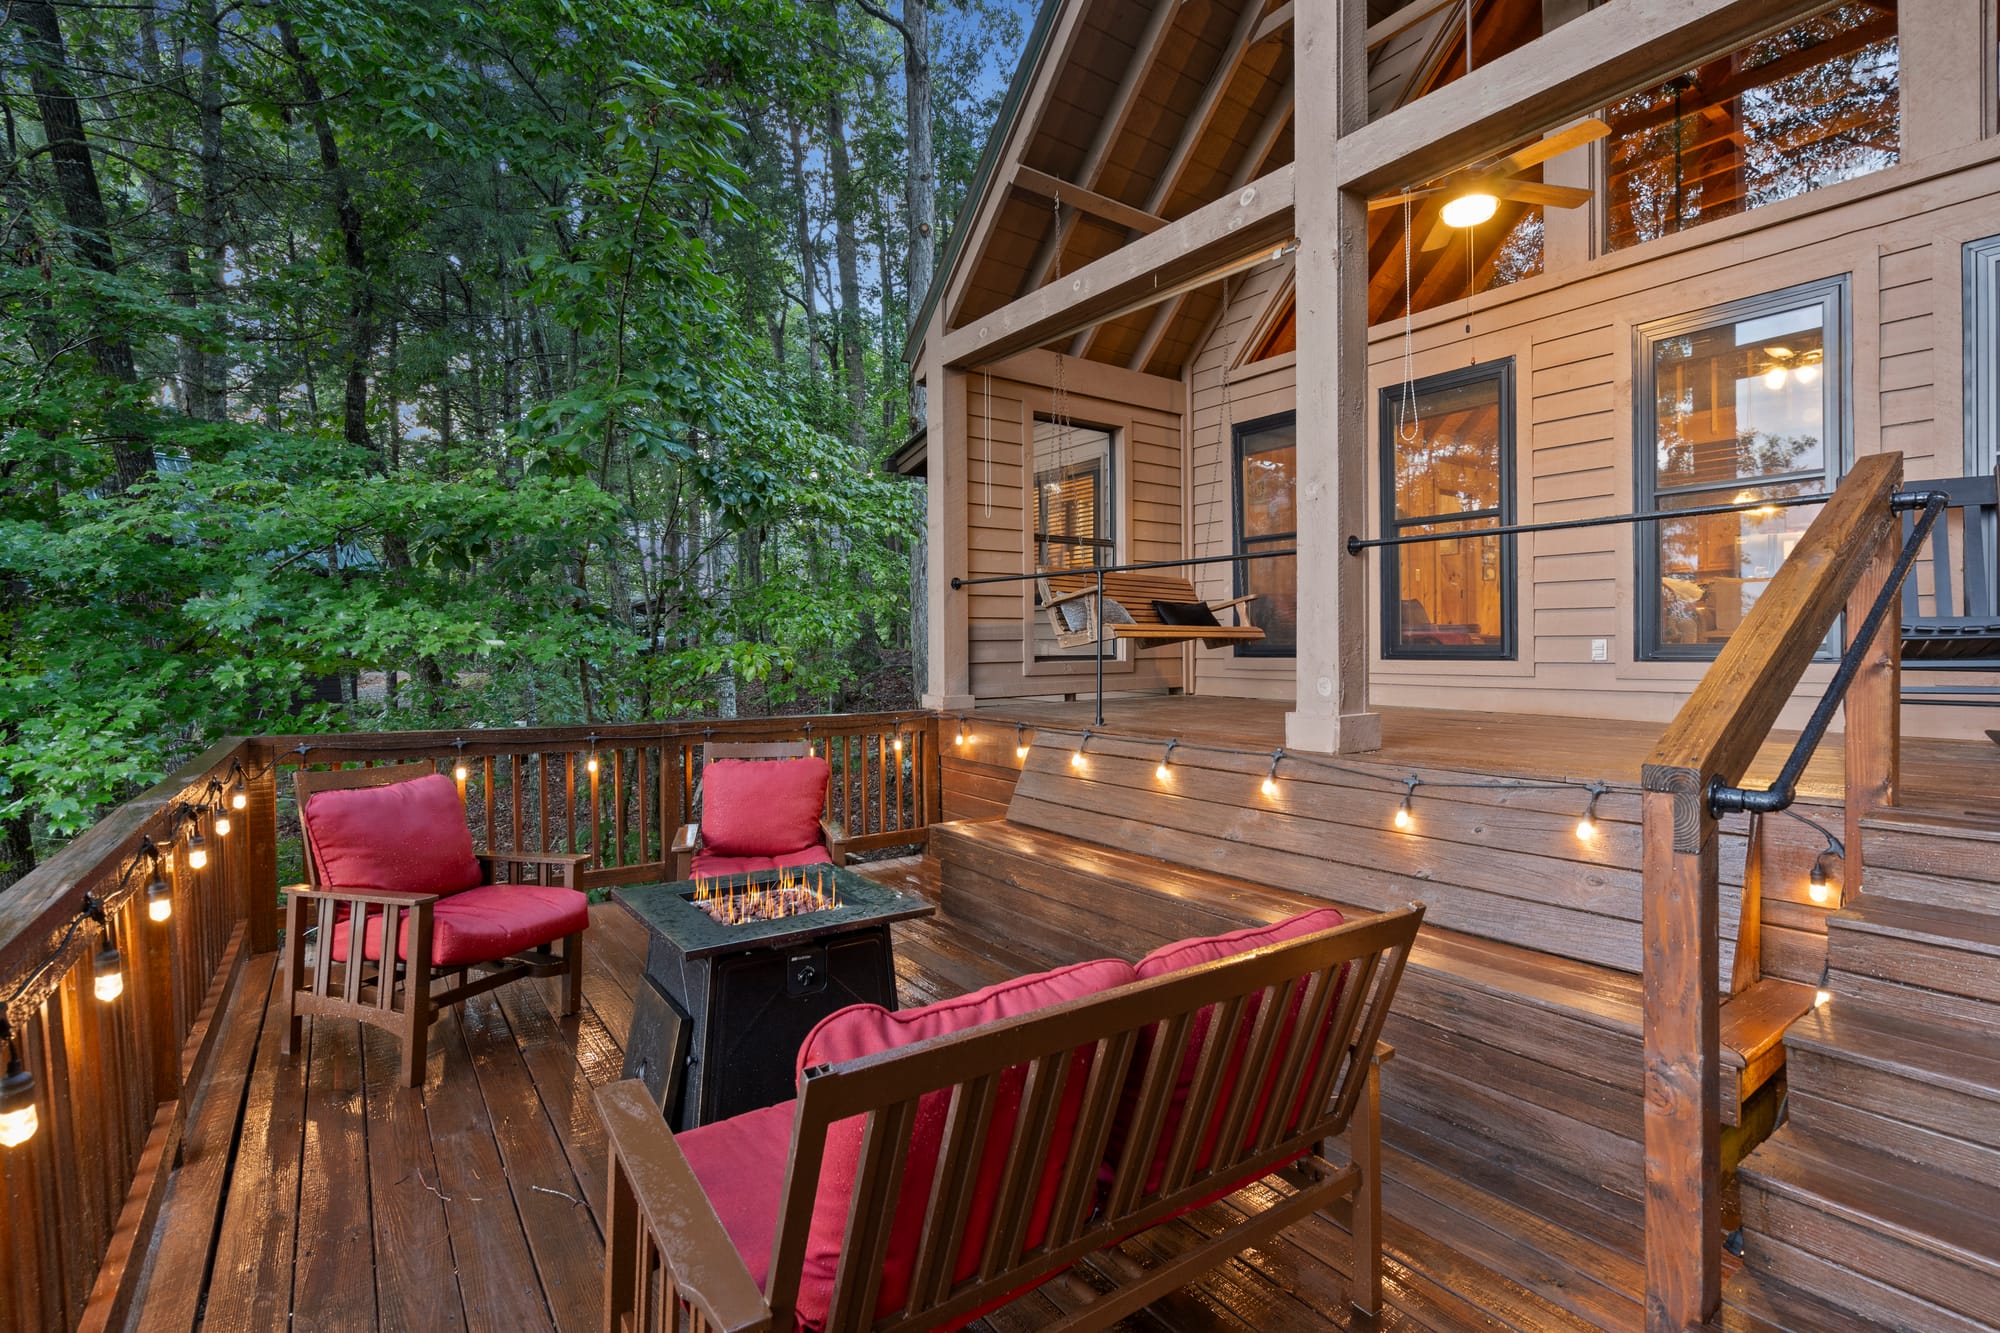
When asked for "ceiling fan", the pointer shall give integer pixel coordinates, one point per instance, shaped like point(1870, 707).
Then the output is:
point(1475, 193)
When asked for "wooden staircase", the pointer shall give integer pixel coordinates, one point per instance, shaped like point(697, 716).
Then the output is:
point(1879, 1194)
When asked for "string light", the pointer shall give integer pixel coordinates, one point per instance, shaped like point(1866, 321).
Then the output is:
point(1020, 742)
point(1818, 887)
point(239, 795)
point(1076, 755)
point(961, 729)
point(19, 1118)
point(1165, 771)
point(1270, 786)
point(460, 772)
point(197, 846)
point(899, 743)
point(107, 969)
point(590, 763)
point(1406, 815)
point(159, 899)
point(1586, 828)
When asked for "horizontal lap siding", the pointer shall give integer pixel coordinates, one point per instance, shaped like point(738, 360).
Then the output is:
point(1255, 391)
point(1149, 519)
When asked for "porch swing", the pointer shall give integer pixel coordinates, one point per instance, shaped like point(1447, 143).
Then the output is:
point(1148, 606)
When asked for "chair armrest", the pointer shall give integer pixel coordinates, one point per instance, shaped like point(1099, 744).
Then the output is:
point(1234, 601)
point(373, 897)
point(567, 862)
point(687, 838)
point(836, 840)
point(674, 1210)
point(1070, 596)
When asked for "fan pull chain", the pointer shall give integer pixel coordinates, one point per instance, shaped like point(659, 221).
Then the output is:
point(1407, 425)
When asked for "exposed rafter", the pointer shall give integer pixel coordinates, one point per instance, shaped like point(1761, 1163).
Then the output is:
point(1040, 183)
point(1198, 123)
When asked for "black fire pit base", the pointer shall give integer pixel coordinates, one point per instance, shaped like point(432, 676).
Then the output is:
point(716, 1030)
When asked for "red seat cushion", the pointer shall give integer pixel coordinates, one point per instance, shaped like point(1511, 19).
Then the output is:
point(481, 924)
point(707, 863)
point(1178, 957)
point(741, 1164)
point(864, 1029)
point(408, 837)
point(762, 807)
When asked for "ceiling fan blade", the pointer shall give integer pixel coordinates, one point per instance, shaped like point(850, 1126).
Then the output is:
point(1396, 200)
point(1576, 136)
point(1534, 192)
point(1441, 235)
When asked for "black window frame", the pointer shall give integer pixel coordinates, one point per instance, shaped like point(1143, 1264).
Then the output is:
point(1237, 434)
point(1837, 377)
point(1500, 370)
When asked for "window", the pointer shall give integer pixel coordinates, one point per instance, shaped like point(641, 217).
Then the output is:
point(1075, 511)
point(1808, 107)
point(1982, 355)
point(1448, 465)
point(1267, 519)
point(1742, 402)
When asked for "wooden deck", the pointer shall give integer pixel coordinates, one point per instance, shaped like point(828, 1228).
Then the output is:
point(316, 1192)
point(1939, 776)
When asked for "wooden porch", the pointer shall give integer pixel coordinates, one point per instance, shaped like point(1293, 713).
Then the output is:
point(315, 1193)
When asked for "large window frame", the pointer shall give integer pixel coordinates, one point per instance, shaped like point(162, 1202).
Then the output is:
point(1833, 294)
point(1982, 354)
point(1239, 543)
point(1500, 371)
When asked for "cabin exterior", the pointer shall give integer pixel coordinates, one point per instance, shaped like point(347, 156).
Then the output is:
point(1816, 180)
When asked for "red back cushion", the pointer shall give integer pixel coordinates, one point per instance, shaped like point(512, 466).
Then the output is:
point(1177, 957)
point(864, 1029)
point(409, 837)
point(762, 807)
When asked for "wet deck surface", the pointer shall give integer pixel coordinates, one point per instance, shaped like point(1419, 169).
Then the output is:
point(314, 1192)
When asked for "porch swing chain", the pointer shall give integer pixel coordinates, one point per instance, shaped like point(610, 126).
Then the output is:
point(987, 430)
point(1407, 425)
point(1059, 401)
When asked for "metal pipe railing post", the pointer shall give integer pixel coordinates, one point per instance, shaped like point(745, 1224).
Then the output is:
point(1100, 645)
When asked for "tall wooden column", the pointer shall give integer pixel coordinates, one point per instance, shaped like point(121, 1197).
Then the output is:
point(1946, 51)
point(1331, 713)
point(947, 458)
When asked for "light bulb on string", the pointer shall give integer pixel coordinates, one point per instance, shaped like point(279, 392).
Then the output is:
point(18, 1117)
point(590, 764)
point(898, 746)
point(1816, 886)
point(107, 969)
point(159, 899)
point(1076, 755)
point(1020, 742)
point(961, 732)
point(1270, 784)
point(222, 824)
point(1165, 771)
point(197, 850)
point(239, 796)
point(1586, 828)
point(1406, 814)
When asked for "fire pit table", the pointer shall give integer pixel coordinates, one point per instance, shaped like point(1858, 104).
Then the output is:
point(739, 970)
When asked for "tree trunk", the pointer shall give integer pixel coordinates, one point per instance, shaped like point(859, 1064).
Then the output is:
point(210, 395)
point(808, 285)
point(922, 169)
point(846, 249)
point(353, 245)
point(84, 211)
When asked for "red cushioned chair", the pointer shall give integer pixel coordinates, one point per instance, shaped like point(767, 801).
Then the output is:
point(763, 807)
point(389, 847)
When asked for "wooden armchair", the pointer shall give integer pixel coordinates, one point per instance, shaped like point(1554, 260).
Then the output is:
point(1136, 591)
point(388, 847)
point(773, 826)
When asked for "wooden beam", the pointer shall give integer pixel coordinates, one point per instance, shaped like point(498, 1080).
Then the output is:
point(1145, 55)
point(1198, 123)
point(1031, 181)
point(1585, 64)
point(1277, 21)
point(1196, 248)
point(1409, 16)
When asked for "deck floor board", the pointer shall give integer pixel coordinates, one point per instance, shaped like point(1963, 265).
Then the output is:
point(476, 1201)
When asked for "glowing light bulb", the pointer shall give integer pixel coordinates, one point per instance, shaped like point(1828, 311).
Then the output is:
point(1470, 209)
point(589, 765)
point(1163, 772)
point(1586, 829)
point(222, 826)
point(1270, 786)
point(1806, 374)
point(961, 734)
point(1406, 818)
point(1020, 752)
point(1817, 888)
point(897, 745)
point(159, 900)
point(1821, 997)
point(239, 799)
point(1774, 378)
point(1076, 759)
point(197, 851)
point(18, 1118)
point(109, 981)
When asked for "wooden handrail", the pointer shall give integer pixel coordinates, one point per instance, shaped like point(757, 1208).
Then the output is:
point(1842, 559)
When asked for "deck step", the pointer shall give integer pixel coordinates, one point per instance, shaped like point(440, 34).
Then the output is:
point(1753, 1302)
point(1920, 945)
point(1921, 1231)
point(1933, 846)
point(1936, 1076)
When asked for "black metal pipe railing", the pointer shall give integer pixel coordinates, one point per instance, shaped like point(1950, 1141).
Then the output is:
point(1356, 545)
point(1722, 798)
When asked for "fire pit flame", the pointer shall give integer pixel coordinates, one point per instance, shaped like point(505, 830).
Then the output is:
point(796, 891)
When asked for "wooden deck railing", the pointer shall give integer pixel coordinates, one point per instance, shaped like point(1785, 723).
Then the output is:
point(1841, 563)
point(79, 1197)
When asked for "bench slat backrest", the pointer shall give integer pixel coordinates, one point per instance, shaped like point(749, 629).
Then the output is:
point(1264, 1089)
point(1135, 591)
point(1961, 588)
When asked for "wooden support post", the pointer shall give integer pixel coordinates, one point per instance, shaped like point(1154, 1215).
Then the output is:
point(1683, 1039)
point(1945, 48)
point(259, 868)
point(950, 657)
point(1873, 712)
point(1331, 713)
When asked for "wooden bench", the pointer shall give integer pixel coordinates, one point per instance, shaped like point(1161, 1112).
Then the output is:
point(1158, 1062)
point(1136, 591)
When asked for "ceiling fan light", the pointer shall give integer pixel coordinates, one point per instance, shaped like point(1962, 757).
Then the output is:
point(1470, 209)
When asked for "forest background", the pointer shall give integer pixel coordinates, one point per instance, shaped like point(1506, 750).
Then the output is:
point(389, 364)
